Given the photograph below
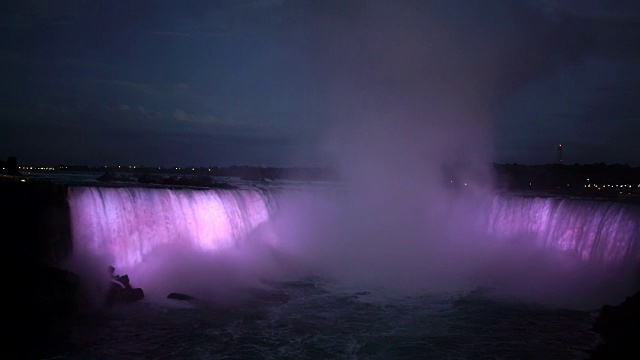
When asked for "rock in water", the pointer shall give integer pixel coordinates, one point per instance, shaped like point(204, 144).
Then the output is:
point(179, 296)
point(619, 327)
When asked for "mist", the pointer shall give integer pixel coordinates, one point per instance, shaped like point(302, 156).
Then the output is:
point(410, 134)
point(410, 97)
point(412, 90)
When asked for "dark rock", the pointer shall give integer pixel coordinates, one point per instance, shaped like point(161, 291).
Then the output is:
point(51, 307)
point(619, 327)
point(120, 294)
point(179, 296)
point(121, 290)
point(124, 280)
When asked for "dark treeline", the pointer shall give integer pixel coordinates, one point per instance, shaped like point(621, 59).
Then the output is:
point(513, 174)
point(10, 166)
point(238, 171)
point(577, 178)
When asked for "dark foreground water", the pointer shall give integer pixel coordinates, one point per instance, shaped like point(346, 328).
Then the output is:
point(310, 319)
point(215, 241)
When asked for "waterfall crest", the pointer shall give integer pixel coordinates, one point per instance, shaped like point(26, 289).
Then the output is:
point(603, 232)
point(127, 223)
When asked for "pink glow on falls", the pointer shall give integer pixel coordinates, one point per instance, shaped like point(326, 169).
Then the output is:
point(209, 242)
point(596, 231)
point(126, 224)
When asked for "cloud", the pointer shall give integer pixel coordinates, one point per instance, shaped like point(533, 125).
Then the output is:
point(260, 4)
point(148, 112)
point(180, 115)
point(181, 88)
point(130, 85)
point(204, 119)
point(397, 79)
point(170, 33)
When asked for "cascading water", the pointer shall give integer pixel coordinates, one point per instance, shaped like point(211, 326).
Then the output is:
point(219, 245)
point(601, 232)
point(127, 223)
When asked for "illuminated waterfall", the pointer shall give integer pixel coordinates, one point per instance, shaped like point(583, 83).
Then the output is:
point(603, 232)
point(128, 223)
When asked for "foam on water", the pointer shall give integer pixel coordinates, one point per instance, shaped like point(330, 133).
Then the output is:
point(292, 274)
point(307, 319)
point(213, 242)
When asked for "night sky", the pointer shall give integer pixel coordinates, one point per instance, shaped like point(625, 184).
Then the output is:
point(306, 83)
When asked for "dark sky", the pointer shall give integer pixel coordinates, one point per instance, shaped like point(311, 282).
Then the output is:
point(285, 83)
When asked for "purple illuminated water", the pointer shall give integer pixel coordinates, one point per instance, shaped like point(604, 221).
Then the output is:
point(128, 223)
point(255, 233)
point(596, 231)
point(323, 274)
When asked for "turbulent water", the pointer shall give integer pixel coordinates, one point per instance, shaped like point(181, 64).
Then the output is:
point(308, 274)
point(308, 319)
point(596, 231)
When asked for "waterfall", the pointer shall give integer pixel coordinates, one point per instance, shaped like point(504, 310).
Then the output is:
point(128, 223)
point(603, 232)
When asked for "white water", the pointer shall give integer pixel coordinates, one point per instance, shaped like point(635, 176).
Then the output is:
point(128, 223)
point(209, 242)
point(596, 231)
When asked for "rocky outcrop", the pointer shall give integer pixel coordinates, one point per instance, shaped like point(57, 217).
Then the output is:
point(118, 294)
point(121, 291)
point(619, 327)
point(180, 296)
point(51, 308)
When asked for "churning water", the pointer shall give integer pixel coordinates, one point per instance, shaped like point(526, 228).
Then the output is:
point(321, 274)
point(309, 319)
